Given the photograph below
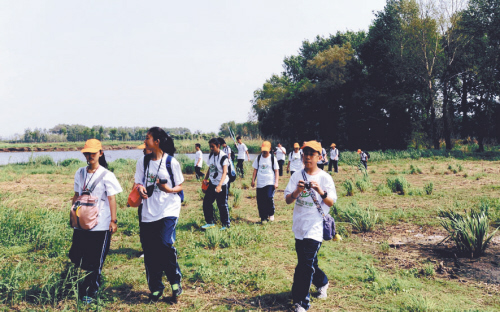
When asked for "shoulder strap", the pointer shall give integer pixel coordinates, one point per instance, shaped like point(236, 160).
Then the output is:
point(97, 180)
point(222, 160)
point(313, 196)
point(147, 159)
point(168, 164)
point(272, 162)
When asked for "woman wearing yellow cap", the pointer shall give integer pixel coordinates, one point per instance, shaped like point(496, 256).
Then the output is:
point(90, 247)
point(267, 175)
point(305, 188)
point(295, 159)
point(334, 158)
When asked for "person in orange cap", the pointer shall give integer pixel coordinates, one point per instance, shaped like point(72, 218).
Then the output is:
point(265, 169)
point(89, 248)
point(295, 159)
point(334, 158)
point(309, 188)
point(363, 158)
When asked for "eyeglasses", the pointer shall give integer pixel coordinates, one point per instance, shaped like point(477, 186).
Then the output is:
point(311, 154)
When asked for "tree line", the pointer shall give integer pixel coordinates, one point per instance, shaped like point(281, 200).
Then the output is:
point(426, 73)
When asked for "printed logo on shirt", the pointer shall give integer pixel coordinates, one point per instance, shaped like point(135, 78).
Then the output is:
point(302, 202)
point(151, 180)
point(213, 171)
point(263, 168)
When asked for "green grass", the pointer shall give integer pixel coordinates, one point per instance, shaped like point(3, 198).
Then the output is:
point(251, 266)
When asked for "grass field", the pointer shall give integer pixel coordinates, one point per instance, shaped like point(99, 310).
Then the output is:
point(390, 262)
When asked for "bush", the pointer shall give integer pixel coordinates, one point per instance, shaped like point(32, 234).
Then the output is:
point(428, 188)
point(383, 190)
point(349, 187)
point(470, 232)
point(72, 161)
point(361, 219)
point(398, 185)
point(44, 160)
point(415, 170)
point(237, 194)
point(363, 184)
point(187, 164)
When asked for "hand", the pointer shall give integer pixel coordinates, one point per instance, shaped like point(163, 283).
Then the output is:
point(276, 186)
point(164, 187)
point(218, 189)
point(253, 183)
point(300, 186)
point(315, 186)
point(142, 191)
point(113, 227)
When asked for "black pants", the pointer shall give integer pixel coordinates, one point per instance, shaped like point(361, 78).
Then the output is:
point(160, 255)
point(365, 163)
point(265, 201)
point(199, 174)
point(88, 252)
point(281, 163)
point(208, 210)
point(321, 166)
point(335, 164)
point(239, 166)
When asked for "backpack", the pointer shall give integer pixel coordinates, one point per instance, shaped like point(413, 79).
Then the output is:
point(272, 161)
point(231, 172)
point(84, 213)
point(367, 155)
point(291, 154)
point(168, 165)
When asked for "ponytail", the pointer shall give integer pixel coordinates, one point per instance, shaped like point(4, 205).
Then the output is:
point(166, 141)
point(102, 161)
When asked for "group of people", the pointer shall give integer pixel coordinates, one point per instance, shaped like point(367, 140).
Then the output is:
point(159, 179)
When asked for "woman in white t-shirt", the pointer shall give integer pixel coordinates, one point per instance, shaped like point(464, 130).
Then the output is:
point(90, 247)
point(267, 181)
point(160, 177)
point(198, 161)
point(308, 223)
point(295, 159)
point(242, 150)
point(217, 178)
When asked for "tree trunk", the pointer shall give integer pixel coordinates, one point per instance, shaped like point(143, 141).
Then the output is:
point(434, 136)
point(447, 112)
point(464, 105)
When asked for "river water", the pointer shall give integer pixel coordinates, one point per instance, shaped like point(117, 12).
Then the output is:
point(22, 157)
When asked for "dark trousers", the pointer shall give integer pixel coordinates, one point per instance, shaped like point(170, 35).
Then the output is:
point(265, 201)
point(365, 163)
point(239, 166)
point(199, 174)
point(88, 252)
point(307, 271)
point(221, 198)
point(335, 164)
point(321, 166)
point(281, 163)
point(160, 255)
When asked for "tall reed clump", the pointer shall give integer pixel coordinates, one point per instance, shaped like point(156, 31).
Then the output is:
point(469, 231)
point(361, 219)
point(187, 164)
point(363, 184)
point(398, 185)
point(429, 187)
point(237, 195)
point(349, 187)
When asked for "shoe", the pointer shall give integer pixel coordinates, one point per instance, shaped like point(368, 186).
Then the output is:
point(322, 291)
point(87, 300)
point(271, 218)
point(263, 222)
point(208, 226)
point(298, 308)
point(176, 290)
point(224, 227)
point(155, 296)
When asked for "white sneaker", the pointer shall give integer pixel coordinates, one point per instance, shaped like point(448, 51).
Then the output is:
point(271, 218)
point(298, 308)
point(322, 291)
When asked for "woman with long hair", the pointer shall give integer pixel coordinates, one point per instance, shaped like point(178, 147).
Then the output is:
point(160, 179)
point(89, 248)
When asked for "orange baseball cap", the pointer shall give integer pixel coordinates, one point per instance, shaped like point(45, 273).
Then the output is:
point(359, 151)
point(92, 146)
point(296, 145)
point(266, 146)
point(333, 145)
point(315, 145)
point(142, 146)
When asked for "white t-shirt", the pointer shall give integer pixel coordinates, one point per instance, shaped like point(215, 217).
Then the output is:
point(108, 184)
point(216, 169)
point(198, 156)
point(265, 173)
point(325, 159)
point(364, 157)
point(295, 160)
point(334, 154)
point(242, 148)
point(307, 221)
point(227, 150)
point(281, 155)
point(161, 204)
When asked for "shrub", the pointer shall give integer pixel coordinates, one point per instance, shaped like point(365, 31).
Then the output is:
point(470, 232)
point(383, 190)
point(71, 161)
point(237, 196)
point(187, 164)
point(415, 170)
point(428, 188)
point(416, 191)
point(398, 185)
point(363, 184)
point(44, 160)
point(361, 219)
point(349, 187)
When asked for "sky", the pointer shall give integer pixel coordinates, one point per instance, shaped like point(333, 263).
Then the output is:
point(192, 64)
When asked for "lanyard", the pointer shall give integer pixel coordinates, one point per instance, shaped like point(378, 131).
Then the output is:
point(147, 175)
point(86, 183)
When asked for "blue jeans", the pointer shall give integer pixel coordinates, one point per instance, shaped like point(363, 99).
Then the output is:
point(208, 210)
point(307, 271)
point(265, 201)
point(157, 239)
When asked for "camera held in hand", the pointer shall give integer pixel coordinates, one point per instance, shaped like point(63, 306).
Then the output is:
point(307, 185)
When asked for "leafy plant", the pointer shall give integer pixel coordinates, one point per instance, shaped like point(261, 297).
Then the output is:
point(415, 170)
point(429, 188)
point(236, 196)
point(349, 187)
point(383, 190)
point(361, 219)
point(469, 231)
point(398, 185)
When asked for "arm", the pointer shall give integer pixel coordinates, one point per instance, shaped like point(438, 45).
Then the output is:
point(290, 198)
point(113, 227)
point(277, 177)
point(248, 155)
point(253, 177)
point(165, 188)
point(328, 200)
point(198, 163)
point(75, 197)
point(218, 189)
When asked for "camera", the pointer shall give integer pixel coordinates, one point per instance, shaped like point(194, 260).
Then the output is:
point(307, 185)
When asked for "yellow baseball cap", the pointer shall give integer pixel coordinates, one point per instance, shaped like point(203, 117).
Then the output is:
point(296, 145)
point(142, 146)
point(333, 145)
point(266, 146)
point(92, 146)
point(315, 145)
